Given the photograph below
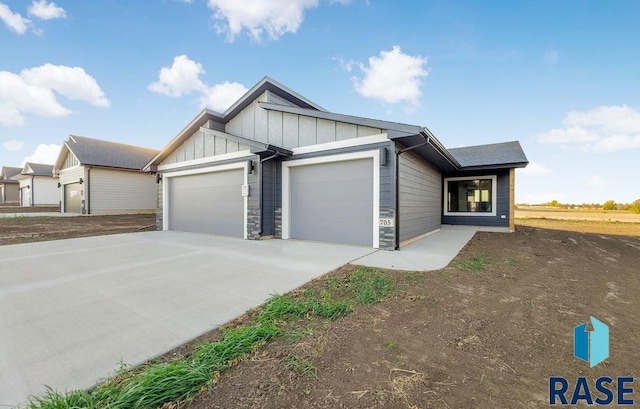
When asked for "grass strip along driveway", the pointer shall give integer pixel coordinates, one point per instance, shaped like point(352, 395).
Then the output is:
point(161, 383)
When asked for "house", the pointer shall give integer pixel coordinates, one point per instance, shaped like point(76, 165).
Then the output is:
point(103, 177)
point(38, 186)
point(9, 190)
point(277, 165)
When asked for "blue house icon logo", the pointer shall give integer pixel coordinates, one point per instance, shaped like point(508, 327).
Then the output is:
point(591, 346)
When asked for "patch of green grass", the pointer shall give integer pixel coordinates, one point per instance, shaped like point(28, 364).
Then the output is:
point(157, 384)
point(512, 261)
point(297, 334)
point(302, 365)
point(390, 346)
point(475, 264)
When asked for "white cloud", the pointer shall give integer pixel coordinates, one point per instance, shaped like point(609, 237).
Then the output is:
point(597, 181)
point(44, 153)
point(273, 17)
point(71, 82)
point(46, 10)
point(221, 96)
point(182, 78)
point(534, 169)
point(12, 145)
point(32, 92)
point(602, 129)
point(392, 77)
point(346, 65)
point(14, 21)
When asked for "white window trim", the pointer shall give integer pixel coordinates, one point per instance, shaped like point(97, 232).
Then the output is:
point(166, 177)
point(494, 196)
point(205, 161)
point(286, 187)
point(346, 143)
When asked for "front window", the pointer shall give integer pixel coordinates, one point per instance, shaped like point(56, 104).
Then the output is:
point(470, 196)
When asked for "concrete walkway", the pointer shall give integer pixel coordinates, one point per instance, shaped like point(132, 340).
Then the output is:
point(39, 214)
point(72, 310)
point(429, 253)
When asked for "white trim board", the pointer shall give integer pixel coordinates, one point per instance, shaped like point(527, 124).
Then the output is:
point(286, 187)
point(205, 161)
point(166, 177)
point(346, 143)
point(494, 196)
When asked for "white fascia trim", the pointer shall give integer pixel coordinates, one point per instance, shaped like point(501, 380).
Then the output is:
point(364, 140)
point(205, 161)
point(286, 187)
point(494, 196)
point(209, 169)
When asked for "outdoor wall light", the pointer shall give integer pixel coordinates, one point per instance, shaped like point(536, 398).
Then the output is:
point(81, 181)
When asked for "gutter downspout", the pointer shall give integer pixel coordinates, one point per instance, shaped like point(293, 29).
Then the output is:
point(33, 195)
point(89, 190)
point(398, 153)
point(275, 155)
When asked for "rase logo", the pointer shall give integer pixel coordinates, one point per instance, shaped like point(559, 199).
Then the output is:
point(592, 347)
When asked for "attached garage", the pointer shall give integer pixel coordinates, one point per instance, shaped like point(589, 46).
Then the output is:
point(208, 201)
point(72, 198)
point(332, 199)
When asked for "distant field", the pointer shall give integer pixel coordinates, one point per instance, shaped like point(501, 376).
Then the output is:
point(583, 226)
point(567, 214)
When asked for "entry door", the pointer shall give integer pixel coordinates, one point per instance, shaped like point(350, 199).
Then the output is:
point(72, 198)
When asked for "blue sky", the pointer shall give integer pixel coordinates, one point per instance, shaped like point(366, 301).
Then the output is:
point(561, 77)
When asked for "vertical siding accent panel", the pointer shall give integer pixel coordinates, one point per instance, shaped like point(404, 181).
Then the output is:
point(261, 124)
point(248, 121)
point(366, 131)
point(220, 145)
point(290, 130)
point(209, 145)
point(116, 191)
point(275, 128)
point(420, 194)
point(232, 146)
point(234, 126)
point(189, 148)
point(198, 145)
point(326, 131)
point(307, 129)
point(345, 131)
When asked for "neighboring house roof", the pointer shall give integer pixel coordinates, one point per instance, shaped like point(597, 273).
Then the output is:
point(495, 155)
point(37, 169)
point(7, 173)
point(97, 152)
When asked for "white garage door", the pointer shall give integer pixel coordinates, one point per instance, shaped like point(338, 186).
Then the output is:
point(207, 203)
point(333, 202)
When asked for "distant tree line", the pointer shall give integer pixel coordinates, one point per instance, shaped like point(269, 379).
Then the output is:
point(608, 205)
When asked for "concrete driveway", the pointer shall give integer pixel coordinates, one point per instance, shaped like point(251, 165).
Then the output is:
point(71, 311)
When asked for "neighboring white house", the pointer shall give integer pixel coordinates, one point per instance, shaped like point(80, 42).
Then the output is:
point(38, 186)
point(103, 177)
point(8, 185)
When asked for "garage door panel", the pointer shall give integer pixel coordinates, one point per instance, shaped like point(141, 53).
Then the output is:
point(333, 202)
point(208, 203)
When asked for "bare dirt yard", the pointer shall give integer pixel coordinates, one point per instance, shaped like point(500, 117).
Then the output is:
point(486, 332)
point(14, 230)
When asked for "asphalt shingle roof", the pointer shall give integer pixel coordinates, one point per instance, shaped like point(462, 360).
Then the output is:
point(9, 172)
point(40, 169)
point(97, 152)
point(494, 154)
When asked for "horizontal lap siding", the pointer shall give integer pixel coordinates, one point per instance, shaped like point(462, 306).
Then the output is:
point(502, 203)
point(116, 191)
point(420, 196)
